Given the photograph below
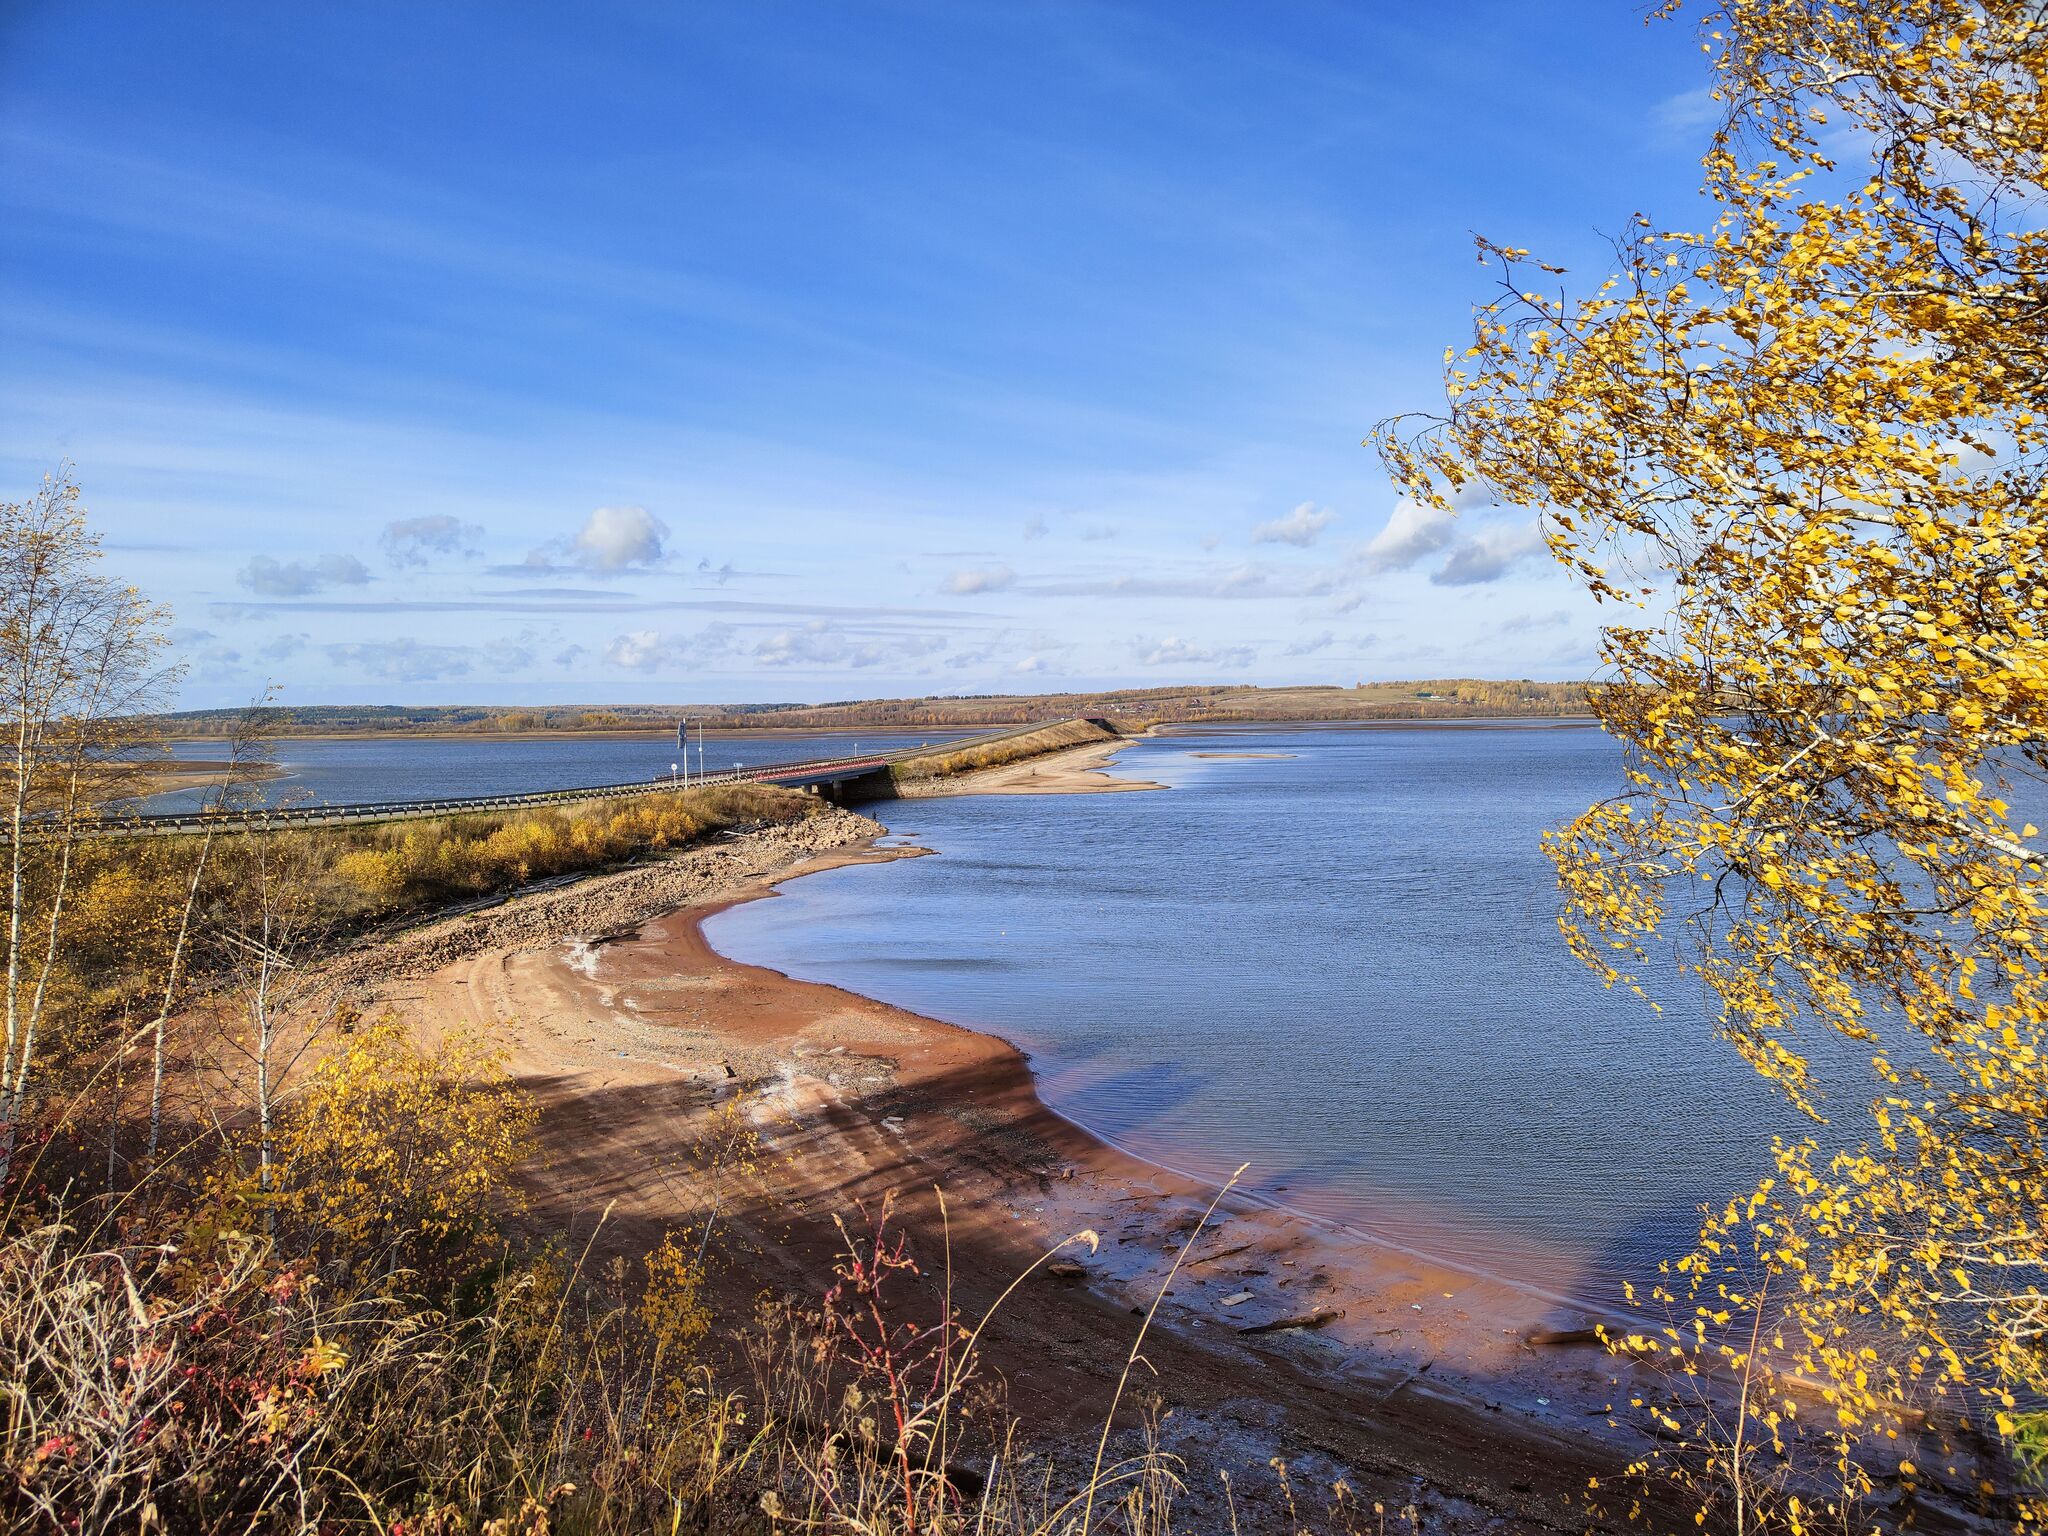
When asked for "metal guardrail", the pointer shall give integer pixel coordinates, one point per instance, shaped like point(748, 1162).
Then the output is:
point(817, 770)
point(406, 810)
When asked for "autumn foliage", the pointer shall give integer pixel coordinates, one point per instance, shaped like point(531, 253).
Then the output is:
point(1808, 443)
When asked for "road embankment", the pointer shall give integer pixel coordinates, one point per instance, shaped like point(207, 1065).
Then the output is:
point(1064, 758)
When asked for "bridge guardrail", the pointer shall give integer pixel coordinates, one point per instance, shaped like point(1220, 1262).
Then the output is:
point(171, 822)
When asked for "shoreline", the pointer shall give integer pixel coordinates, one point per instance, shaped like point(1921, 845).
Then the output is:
point(634, 1035)
point(1159, 727)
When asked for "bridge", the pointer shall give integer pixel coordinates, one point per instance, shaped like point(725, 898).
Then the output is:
point(838, 779)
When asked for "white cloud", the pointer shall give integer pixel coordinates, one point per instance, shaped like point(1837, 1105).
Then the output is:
point(1413, 531)
point(818, 644)
point(283, 648)
point(1527, 623)
point(648, 650)
point(643, 649)
point(1172, 651)
point(1034, 527)
point(1488, 556)
point(990, 578)
point(1301, 527)
point(611, 539)
point(513, 653)
point(1313, 644)
point(410, 540)
point(297, 578)
point(1033, 664)
point(402, 661)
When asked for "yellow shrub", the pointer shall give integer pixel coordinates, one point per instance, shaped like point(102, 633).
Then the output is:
point(389, 1143)
point(672, 1308)
point(378, 874)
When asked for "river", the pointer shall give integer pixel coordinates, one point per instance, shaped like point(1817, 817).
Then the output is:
point(1339, 963)
point(345, 770)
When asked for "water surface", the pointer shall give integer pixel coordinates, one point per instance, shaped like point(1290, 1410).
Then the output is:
point(1341, 966)
point(350, 770)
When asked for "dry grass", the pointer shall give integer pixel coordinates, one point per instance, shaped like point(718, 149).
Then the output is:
point(214, 1385)
point(995, 754)
point(406, 865)
point(117, 934)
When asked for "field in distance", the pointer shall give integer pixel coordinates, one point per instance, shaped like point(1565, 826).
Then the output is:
point(1448, 699)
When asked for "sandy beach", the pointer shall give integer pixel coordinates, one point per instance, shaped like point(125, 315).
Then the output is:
point(1477, 1400)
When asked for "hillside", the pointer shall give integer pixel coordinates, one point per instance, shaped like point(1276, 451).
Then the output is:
point(1450, 699)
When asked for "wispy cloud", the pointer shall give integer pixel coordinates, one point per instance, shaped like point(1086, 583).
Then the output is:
point(820, 645)
point(1173, 651)
point(559, 603)
point(412, 540)
point(1301, 527)
point(647, 650)
point(1489, 555)
point(1237, 581)
point(295, 578)
point(1687, 114)
point(987, 578)
point(1529, 623)
point(823, 645)
point(283, 647)
point(401, 661)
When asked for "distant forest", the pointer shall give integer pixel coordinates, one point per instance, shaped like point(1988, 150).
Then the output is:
point(1447, 699)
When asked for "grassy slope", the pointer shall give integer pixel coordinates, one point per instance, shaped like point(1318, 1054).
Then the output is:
point(1011, 749)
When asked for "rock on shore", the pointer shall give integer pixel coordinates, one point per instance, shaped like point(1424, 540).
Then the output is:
point(601, 904)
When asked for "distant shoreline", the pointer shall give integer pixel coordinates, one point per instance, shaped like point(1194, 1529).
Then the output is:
point(936, 732)
point(611, 733)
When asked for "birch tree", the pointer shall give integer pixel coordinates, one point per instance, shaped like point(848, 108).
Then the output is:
point(1801, 455)
point(81, 659)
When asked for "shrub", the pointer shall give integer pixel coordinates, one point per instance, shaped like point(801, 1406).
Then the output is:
point(395, 1152)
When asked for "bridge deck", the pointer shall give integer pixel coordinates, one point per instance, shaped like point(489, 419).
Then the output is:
point(814, 774)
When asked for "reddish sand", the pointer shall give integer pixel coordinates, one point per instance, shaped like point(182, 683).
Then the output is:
point(1423, 1385)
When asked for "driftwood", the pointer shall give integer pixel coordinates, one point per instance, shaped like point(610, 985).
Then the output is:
point(1387, 1395)
point(1321, 1317)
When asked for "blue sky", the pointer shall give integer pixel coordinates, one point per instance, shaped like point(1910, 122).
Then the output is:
point(721, 352)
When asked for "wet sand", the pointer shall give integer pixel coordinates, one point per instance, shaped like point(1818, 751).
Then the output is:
point(1419, 1382)
point(157, 778)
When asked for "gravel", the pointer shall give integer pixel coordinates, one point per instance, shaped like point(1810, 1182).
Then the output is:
point(602, 904)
